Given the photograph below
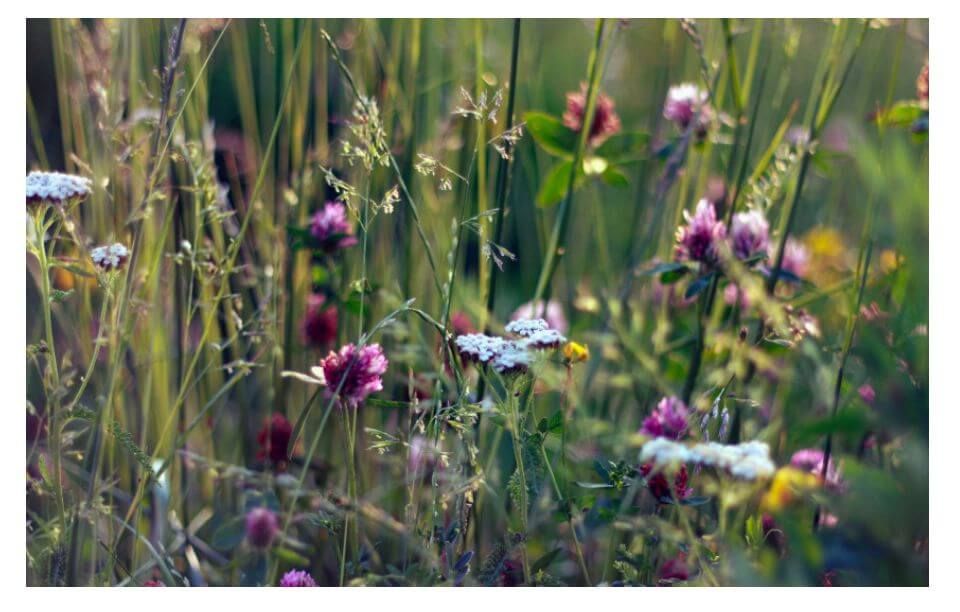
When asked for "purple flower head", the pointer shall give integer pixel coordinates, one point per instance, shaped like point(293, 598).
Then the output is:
point(668, 420)
point(699, 238)
point(605, 123)
point(867, 394)
point(796, 258)
point(355, 372)
point(330, 227)
point(733, 295)
point(682, 103)
point(297, 578)
point(923, 83)
point(798, 136)
point(811, 460)
point(749, 234)
point(552, 313)
point(320, 322)
point(261, 527)
point(675, 569)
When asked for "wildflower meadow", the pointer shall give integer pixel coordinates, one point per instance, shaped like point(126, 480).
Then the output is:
point(477, 302)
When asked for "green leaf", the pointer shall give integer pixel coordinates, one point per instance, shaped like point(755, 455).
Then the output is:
point(555, 424)
point(614, 177)
point(669, 272)
point(554, 186)
point(550, 133)
point(594, 485)
point(697, 286)
point(57, 296)
point(624, 147)
point(901, 114)
point(291, 557)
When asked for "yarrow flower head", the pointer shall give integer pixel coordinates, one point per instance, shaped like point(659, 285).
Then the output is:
point(320, 322)
point(746, 461)
point(699, 239)
point(330, 227)
point(273, 440)
point(552, 313)
point(353, 374)
point(605, 123)
point(297, 578)
point(683, 101)
point(56, 188)
point(480, 348)
point(513, 358)
point(669, 420)
point(110, 258)
point(261, 527)
point(750, 234)
point(536, 333)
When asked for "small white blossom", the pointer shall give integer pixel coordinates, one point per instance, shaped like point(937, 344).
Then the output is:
point(663, 453)
point(513, 357)
point(545, 339)
point(526, 327)
point(747, 461)
point(56, 188)
point(479, 347)
point(111, 257)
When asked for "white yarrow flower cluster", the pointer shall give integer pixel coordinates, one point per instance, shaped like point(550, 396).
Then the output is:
point(56, 188)
point(526, 327)
point(513, 357)
point(747, 461)
point(479, 347)
point(536, 333)
point(109, 258)
point(664, 453)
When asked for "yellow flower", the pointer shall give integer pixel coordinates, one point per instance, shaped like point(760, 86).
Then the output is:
point(787, 484)
point(890, 260)
point(574, 352)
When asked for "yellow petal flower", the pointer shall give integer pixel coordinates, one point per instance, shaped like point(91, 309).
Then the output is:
point(574, 352)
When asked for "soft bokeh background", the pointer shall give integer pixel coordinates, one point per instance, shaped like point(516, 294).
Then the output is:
point(93, 89)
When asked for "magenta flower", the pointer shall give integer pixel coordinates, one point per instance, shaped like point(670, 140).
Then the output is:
point(552, 314)
point(682, 102)
point(659, 485)
point(867, 394)
point(675, 569)
point(811, 460)
point(733, 295)
point(668, 420)
point(749, 234)
point(605, 123)
point(353, 374)
point(796, 258)
point(699, 238)
point(330, 227)
point(297, 578)
point(320, 322)
point(262, 527)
